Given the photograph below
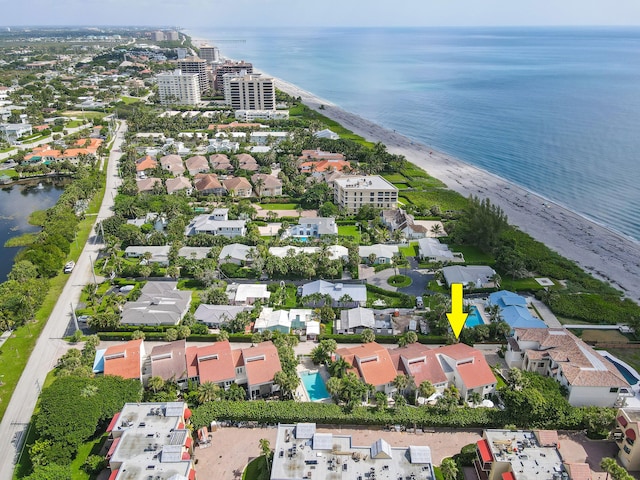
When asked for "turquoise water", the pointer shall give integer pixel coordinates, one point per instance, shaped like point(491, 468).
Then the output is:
point(474, 319)
point(628, 376)
point(556, 110)
point(314, 385)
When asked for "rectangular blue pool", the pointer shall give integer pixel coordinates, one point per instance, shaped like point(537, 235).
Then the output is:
point(474, 319)
point(314, 385)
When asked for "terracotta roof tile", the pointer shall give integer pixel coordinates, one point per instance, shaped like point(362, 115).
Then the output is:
point(261, 363)
point(124, 360)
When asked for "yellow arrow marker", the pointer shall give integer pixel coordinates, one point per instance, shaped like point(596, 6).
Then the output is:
point(457, 317)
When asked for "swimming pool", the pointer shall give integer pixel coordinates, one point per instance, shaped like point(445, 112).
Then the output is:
point(314, 385)
point(628, 376)
point(474, 319)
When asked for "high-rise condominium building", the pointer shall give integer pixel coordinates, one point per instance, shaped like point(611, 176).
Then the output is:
point(177, 88)
point(353, 192)
point(230, 67)
point(249, 92)
point(172, 36)
point(196, 65)
point(210, 54)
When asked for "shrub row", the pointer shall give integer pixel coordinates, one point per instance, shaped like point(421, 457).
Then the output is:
point(426, 339)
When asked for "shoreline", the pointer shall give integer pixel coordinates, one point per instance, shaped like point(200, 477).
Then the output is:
point(604, 253)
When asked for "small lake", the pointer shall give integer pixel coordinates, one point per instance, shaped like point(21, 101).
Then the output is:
point(17, 202)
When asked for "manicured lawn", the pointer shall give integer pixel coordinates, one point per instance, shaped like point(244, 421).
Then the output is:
point(399, 281)
point(520, 284)
point(91, 447)
point(279, 206)
point(410, 250)
point(349, 231)
point(129, 100)
point(10, 172)
point(256, 470)
point(401, 186)
point(445, 199)
point(608, 336)
point(74, 124)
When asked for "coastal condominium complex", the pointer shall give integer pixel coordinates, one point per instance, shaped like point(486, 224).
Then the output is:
point(199, 66)
point(353, 192)
point(210, 54)
point(230, 67)
point(249, 92)
point(177, 88)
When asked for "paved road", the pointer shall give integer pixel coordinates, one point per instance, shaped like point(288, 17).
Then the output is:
point(50, 344)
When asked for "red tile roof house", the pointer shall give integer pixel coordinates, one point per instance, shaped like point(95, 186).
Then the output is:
point(125, 360)
point(212, 363)
point(197, 164)
point(208, 184)
point(260, 363)
point(145, 163)
point(373, 364)
point(173, 164)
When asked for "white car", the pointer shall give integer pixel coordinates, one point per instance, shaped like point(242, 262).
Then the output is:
point(69, 266)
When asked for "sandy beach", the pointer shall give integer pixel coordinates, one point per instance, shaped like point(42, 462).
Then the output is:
point(602, 252)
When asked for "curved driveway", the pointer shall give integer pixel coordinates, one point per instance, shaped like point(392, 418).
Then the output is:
point(51, 344)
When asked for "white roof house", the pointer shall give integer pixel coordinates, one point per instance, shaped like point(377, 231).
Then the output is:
point(247, 293)
point(275, 320)
point(432, 250)
point(383, 253)
point(159, 254)
point(160, 303)
point(326, 133)
point(214, 315)
point(236, 253)
point(194, 253)
point(474, 276)
point(210, 224)
point(313, 227)
point(355, 320)
point(337, 291)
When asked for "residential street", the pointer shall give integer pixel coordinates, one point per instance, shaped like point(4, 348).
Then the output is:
point(50, 344)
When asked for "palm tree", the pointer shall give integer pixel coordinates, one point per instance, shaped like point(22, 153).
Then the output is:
point(425, 389)
point(339, 368)
point(334, 386)
point(401, 382)
point(381, 400)
point(156, 383)
point(449, 469)
point(265, 449)
point(207, 392)
point(436, 229)
point(368, 336)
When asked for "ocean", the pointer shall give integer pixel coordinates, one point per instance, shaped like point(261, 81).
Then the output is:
point(555, 110)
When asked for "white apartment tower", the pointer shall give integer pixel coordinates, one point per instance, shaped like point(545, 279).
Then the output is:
point(249, 92)
point(177, 88)
point(196, 65)
point(352, 192)
point(210, 54)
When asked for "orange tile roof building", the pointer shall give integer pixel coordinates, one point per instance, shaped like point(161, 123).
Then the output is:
point(626, 434)
point(125, 360)
point(146, 163)
point(372, 363)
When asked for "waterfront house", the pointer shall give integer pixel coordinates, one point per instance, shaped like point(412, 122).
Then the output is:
point(397, 219)
point(513, 309)
point(472, 276)
point(326, 133)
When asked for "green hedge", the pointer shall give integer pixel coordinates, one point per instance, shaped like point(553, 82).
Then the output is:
point(323, 413)
point(426, 339)
point(212, 337)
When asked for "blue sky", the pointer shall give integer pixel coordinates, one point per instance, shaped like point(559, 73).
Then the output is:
point(282, 13)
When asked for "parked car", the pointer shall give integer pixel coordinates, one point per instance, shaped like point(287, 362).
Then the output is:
point(419, 302)
point(69, 266)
